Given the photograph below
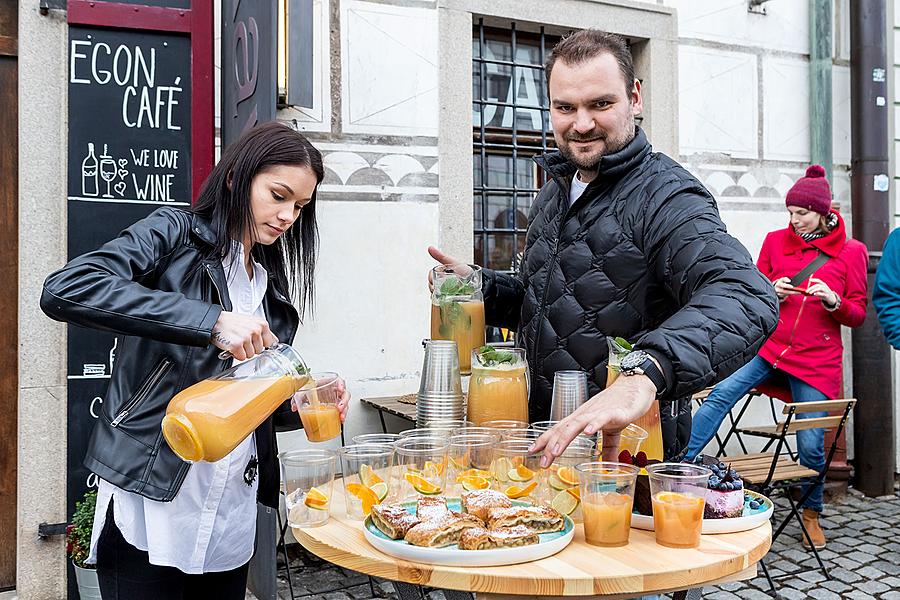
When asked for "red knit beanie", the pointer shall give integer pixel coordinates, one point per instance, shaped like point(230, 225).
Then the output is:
point(811, 192)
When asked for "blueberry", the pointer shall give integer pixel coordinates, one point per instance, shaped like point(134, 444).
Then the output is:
point(754, 504)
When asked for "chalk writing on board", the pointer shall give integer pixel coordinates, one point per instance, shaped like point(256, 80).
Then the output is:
point(158, 171)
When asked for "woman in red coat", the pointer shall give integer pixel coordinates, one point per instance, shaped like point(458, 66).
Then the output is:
point(801, 362)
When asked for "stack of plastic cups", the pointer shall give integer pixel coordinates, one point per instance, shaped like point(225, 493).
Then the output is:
point(440, 394)
point(569, 393)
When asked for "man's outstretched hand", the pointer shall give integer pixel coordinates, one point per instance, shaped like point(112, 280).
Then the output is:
point(610, 411)
point(459, 267)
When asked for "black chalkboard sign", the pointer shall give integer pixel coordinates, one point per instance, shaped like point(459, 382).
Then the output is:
point(129, 153)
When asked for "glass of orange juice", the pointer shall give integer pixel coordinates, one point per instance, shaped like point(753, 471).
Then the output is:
point(307, 477)
point(317, 404)
point(367, 475)
point(421, 465)
point(678, 492)
point(607, 495)
point(498, 389)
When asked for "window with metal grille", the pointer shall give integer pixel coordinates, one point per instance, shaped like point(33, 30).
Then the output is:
point(511, 124)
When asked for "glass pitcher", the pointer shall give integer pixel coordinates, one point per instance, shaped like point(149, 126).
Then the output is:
point(650, 421)
point(209, 419)
point(498, 389)
point(457, 311)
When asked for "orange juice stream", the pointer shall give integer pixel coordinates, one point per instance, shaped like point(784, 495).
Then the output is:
point(209, 419)
point(498, 393)
point(653, 445)
point(461, 322)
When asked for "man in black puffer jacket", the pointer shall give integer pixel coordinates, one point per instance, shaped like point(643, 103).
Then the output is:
point(624, 242)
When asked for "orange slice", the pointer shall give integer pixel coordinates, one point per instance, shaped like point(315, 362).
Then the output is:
point(367, 476)
point(435, 467)
point(473, 483)
point(521, 473)
point(517, 492)
point(567, 475)
point(317, 499)
point(475, 473)
point(576, 492)
point(367, 496)
point(422, 485)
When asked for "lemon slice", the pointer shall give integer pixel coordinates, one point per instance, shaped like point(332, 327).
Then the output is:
point(474, 483)
point(380, 489)
point(564, 502)
point(556, 484)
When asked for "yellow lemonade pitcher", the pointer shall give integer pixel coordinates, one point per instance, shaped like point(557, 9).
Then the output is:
point(209, 419)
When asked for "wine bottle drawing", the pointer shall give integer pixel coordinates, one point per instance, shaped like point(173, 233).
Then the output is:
point(107, 170)
point(89, 173)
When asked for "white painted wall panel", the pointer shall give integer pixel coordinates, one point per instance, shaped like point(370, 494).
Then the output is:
point(785, 109)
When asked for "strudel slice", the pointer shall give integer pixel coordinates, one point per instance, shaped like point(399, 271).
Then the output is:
point(478, 538)
point(538, 518)
point(479, 502)
point(431, 507)
point(442, 531)
point(393, 520)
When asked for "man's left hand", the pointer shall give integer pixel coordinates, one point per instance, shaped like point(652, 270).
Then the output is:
point(625, 401)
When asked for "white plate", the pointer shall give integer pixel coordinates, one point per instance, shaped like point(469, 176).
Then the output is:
point(749, 520)
point(451, 556)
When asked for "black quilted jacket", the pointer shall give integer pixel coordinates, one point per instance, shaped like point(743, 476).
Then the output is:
point(641, 254)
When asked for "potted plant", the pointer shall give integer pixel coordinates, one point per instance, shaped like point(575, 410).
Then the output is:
point(78, 546)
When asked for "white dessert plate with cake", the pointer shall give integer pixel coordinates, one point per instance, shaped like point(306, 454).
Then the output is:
point(473, 535)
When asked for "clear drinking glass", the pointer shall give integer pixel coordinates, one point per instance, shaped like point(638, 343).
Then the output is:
point(427, 432)
point(307, 477)
point(630, 439)
point(678, 493)
point(421, 466)
point(317, 404)
point(569, 393)
point(517, 472)
point(607, 495)
point(367, 475)
point(560, 488)
point(470, 457)
point(375, 438)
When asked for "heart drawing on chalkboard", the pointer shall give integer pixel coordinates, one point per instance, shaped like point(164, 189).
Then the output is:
point(123, 173)
point(123, 162)
point(120, 188)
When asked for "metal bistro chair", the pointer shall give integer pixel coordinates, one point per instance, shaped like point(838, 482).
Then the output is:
point(768, 472)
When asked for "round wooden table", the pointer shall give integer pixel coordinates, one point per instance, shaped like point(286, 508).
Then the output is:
point(642, 567)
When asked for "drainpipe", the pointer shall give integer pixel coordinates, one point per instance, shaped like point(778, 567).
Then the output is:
point(873, 438)
point(821, 21)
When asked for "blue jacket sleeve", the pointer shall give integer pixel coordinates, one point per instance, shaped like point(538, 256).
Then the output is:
point(886, 295)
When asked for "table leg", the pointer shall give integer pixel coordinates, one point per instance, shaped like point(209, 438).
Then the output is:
point(381, 416)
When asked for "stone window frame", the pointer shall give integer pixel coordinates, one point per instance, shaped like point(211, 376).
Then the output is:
point(652, 30)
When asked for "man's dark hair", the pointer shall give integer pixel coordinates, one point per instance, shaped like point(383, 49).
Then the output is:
point(586, 44)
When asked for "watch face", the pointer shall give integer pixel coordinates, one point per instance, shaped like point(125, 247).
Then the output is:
point(633, 360)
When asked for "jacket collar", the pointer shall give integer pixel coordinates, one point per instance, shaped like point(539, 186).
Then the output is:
point(202, 228)
point(831, 244)
point(612, 166)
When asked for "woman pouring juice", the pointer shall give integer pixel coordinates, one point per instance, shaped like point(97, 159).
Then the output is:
point(178, 287)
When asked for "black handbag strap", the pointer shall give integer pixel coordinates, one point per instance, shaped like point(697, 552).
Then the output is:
point(809, 269)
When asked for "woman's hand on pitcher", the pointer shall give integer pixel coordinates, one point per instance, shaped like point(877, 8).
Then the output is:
point(244, 336)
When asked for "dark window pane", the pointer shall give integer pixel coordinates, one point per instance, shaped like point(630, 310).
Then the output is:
point(501, 251)
point(477, 212)
point(479, 249)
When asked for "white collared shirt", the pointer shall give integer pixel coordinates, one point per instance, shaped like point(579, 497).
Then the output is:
point(210, 525)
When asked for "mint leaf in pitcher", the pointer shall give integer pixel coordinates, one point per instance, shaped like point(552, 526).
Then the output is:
point(455, 287)
point(491, 357)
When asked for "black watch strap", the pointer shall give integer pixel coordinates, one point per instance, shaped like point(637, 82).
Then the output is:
point(655, 375)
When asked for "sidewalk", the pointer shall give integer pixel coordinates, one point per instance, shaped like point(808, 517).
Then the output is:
point(863, 556)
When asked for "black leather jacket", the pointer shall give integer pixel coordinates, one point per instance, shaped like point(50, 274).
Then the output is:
point(157, 288)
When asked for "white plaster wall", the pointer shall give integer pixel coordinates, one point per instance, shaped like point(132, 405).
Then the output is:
point(785, 82)
point(717, 102)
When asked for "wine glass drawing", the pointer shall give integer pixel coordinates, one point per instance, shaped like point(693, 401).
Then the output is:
point(108, 170)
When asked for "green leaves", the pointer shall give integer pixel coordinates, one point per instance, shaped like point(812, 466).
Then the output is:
point(623, 343)
point(491, 357)
point(455, 287)
point(78, 533)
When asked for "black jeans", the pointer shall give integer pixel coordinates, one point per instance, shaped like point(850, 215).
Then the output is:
point(125, 573)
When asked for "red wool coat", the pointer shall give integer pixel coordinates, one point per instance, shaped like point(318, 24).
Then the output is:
point(807, 342)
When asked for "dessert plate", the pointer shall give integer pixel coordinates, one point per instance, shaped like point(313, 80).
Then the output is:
point(549, 544)
point(751, 518)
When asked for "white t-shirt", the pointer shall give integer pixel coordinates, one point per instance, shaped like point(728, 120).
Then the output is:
point(210, 525)
point(577, 189)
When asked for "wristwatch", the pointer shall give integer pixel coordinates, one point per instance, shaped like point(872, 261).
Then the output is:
point(639, 362)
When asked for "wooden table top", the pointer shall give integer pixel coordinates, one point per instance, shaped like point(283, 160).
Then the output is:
point(641, 567)
point(392, 405)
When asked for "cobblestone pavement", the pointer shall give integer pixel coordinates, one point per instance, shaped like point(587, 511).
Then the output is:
point(863, 556)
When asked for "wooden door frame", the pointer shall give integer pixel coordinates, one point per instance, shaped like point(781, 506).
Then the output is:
point(9, 294)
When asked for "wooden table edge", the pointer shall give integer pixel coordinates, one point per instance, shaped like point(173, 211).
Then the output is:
point(396, 569)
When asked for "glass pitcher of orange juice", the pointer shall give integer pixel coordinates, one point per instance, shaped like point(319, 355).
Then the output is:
point(650, 422)
point(457, 311)
point(498, 389)
point(209, 419)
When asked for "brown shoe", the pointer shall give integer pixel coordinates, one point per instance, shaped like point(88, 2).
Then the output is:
point(811, 522)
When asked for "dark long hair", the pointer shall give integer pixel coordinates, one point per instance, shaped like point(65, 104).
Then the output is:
point(225, 200)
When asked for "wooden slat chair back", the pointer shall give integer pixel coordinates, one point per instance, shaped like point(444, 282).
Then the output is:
point(770, 471)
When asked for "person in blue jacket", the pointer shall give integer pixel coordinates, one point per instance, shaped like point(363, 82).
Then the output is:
point(886, 295)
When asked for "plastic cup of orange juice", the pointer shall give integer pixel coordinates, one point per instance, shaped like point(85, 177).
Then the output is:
point(630, 439)
point(307, 477)
point(678, 493)
point(317, 404)
point(367, 477)
point(607, 496)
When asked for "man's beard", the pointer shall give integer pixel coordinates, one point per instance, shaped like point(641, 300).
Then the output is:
point(590, 162)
